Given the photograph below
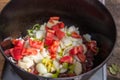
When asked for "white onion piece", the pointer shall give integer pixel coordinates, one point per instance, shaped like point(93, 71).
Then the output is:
point(85, 48)
point(26, 44)
point(36, 58)
point(41, 68)
point(87, 37)
point(63, 70)
point(49, 24)
point(42, 27)
point(67, 41)
point(11, 59)
point(26, 59)
point(56, 64)
point(40, 34)
point(58, 57)
point(66, 50)
point(59, 49)
point(26, 63)
point(79, 40)
point(62, 45)
point(45, 53)
point(78, 68)
point(76, 58)
point(72, 29)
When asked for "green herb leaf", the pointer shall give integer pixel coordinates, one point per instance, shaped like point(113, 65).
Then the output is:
point(115, 67)
point(30, 32)
point(112, 71)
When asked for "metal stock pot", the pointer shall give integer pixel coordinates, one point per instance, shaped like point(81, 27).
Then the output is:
point(90, 15)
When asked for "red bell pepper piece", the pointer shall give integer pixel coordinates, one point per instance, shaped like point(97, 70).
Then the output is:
point(17, 43)
point(58, 26)
point(75, 35)
point(35, 71)
point(50, 33)
point(49, 37)
point(29, 51)
point(53, 48)
point(81, 56)
point(47, 28)
point(36, 44)
point(55, 27)
point(60, 34)
point(52, 19)
point(66, 59)
point(53, 55)
point(61, 25)
point(78, 50)
point(92, 45)
point(16, 53)
point(75, 50)
point(48, 41)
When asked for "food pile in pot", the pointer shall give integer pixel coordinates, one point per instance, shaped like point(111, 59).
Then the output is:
point(53, 50)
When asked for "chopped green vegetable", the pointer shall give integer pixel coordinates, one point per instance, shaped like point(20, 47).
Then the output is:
point(61, 53)
point(65, 65)
point(30, 32)
point(68, 34)
point(56, 74)
point(36, 27)
point(71, 68)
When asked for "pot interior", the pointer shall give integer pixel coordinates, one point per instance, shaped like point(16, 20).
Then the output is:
point(90, 16)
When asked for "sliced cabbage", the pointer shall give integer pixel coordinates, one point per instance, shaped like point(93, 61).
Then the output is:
point(40, 34)
point(43, 27)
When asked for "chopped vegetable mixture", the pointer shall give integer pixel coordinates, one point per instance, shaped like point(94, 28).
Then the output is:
point(53, 49)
